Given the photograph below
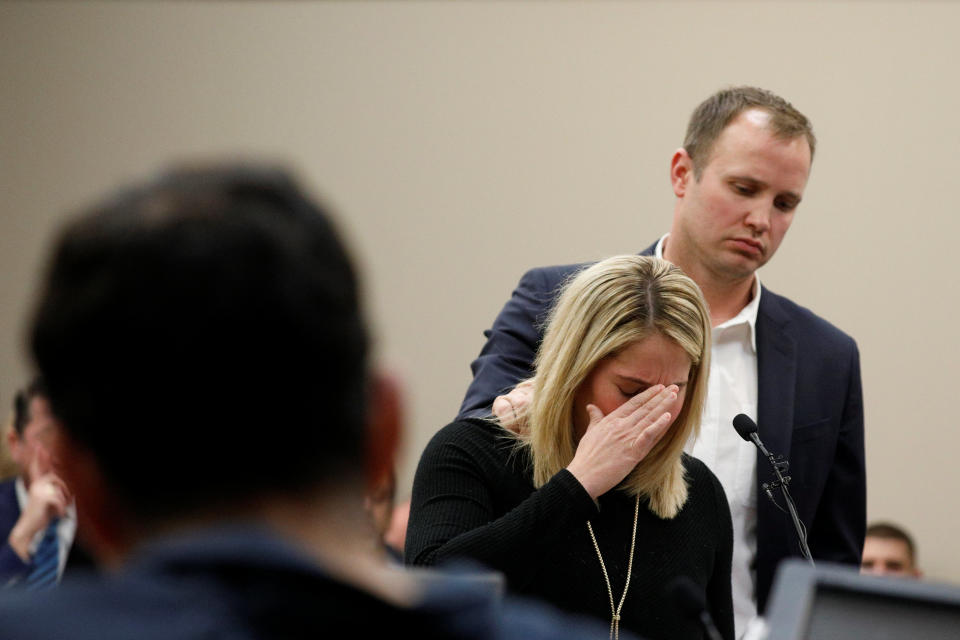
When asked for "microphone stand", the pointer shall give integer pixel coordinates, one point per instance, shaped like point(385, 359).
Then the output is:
point(780, 467)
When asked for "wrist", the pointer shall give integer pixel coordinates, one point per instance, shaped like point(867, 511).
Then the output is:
point(585, 481)
point(20, 538)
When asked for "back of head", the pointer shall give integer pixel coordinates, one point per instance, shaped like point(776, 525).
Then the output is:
point(713, 115)
point(602, 310)
point(201, 335)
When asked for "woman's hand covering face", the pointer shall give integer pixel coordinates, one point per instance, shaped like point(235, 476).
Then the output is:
point(614, 444)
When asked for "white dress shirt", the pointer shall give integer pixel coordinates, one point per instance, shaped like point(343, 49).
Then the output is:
point(732, 390)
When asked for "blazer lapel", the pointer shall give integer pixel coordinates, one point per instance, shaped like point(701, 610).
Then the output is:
point(776, 373)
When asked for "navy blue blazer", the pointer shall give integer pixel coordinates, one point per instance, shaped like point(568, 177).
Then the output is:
point(810, 410)
point(11, 566)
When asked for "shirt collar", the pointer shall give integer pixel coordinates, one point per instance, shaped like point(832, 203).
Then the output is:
point(747, 315)
point(658, 250)
point(21, 493)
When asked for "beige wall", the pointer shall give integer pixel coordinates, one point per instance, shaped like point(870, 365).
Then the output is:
point(463, 143)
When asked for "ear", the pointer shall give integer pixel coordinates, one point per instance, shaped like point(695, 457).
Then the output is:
point(681, 171)
point(384, 426)
point(100, 522)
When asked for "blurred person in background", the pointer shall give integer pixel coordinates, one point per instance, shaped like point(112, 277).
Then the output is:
point(38, 518)
point(888, 550)
point(207, 360)
point(379, 504)
point(396, 534)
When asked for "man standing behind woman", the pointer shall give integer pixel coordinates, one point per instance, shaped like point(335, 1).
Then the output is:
point(738, 181)
point(595, 508)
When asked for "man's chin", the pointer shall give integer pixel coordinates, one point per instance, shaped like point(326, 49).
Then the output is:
point(740, 267)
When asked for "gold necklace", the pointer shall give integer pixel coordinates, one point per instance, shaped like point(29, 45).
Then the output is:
point(615, 611)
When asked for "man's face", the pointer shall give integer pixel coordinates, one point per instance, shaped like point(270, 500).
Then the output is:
point(887, 557)
point(31, 450)
point(731, 221)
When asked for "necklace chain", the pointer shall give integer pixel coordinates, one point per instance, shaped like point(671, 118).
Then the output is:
point(615, 611)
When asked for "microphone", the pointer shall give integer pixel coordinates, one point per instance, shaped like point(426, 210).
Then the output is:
point(692, 604)
point(744, 426)
point(747, 429)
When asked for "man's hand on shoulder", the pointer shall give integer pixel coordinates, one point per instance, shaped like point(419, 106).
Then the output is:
point(511, 409)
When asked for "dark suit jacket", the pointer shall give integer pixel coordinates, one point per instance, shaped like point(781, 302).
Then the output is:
point(810, 410)
point(11, 566)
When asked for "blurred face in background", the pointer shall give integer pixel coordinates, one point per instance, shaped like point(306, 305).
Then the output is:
point(887, 557)
point(30, 451)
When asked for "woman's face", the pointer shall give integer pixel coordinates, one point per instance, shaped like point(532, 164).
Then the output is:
point(656, 359)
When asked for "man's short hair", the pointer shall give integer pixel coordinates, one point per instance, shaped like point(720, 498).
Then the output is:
point(890, 531)
point(713, 115)
point(201, 335)
point(21, 404)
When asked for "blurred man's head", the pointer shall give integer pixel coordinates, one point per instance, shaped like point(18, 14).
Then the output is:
point(201, 338)
point(29, 431)
point(889, 550)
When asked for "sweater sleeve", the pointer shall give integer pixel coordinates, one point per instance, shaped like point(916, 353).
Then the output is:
point(467, 503)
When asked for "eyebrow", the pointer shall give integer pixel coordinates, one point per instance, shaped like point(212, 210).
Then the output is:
point(643, 382)
point(797, 198)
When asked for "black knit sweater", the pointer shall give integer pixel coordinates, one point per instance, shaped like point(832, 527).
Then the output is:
point(473, 498)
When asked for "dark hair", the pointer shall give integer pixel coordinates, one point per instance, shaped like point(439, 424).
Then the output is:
point(890, 531)
point(714, 114)
point(21, 403)
point(201, 335)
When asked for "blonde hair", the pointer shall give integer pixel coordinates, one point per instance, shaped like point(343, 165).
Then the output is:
point(602, 310)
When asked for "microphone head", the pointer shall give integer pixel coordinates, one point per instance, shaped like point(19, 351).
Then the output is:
point(744, 425)
point(688, 597)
